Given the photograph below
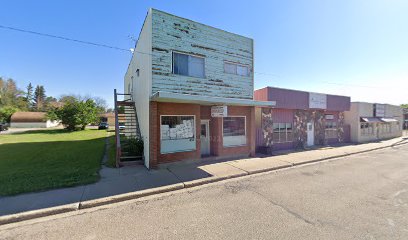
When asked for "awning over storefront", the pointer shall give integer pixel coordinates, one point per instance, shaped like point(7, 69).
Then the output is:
point(388, 120)
point(370, 119)
point(206, 100)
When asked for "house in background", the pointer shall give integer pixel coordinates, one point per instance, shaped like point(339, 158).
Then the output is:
point(31, 120)
point(108, 118)
point(192, 86)
point(372, 121)
point(299, 119)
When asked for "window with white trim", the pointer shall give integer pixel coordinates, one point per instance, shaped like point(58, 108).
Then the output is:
point(367, 129)
point(237, 69)
point(188, 65)
point(385, 128)
point(282, 132)
point(234, 131)
point(331, 129)
point(177, 133)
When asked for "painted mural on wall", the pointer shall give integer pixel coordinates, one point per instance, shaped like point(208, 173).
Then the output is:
point(302, 117)
point(267, 126)
point(340, 127)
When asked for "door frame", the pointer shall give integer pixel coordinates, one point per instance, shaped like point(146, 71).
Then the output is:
point(207, 129)
point(310, 134)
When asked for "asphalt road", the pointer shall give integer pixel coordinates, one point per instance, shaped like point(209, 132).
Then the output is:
point(364, 196)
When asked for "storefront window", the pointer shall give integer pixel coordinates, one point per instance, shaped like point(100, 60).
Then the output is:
point(234, 133)
point(386, 128)
point(282, 132)
point(367, 129)
point(331, 129)
point(177, 134)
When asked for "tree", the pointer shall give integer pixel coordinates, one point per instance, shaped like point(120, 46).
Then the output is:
point(10, 95)
point(6, 112)
point(50, 102)
point(29, 96)
point(404, 105)
point(75, 114)
point(39, 98)
point(88, 112)
point(101, 104)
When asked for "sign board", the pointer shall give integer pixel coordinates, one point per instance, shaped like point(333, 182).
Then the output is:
point(317, 100)
point(219, 111)
point(379, 110)
point(329, 116)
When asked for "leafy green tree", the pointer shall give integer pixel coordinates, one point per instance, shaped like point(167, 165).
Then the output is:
point(10, 95)
point(6, 112)
point(75, 114)
point(404, 105)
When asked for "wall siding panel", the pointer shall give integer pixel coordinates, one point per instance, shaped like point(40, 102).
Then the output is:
point(171, 33)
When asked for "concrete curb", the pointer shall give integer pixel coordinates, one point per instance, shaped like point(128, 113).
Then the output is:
point(129, 196)
point(18, 217)
point(203, 181)
point(148, 192)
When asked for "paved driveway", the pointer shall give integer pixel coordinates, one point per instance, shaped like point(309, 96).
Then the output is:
point(363, 196)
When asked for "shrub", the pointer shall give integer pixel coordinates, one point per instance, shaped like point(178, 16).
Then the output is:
point(134, 146)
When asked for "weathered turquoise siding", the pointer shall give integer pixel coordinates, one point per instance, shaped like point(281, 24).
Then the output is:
point(171, 33)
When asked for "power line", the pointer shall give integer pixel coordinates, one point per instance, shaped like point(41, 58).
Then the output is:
point(132, 50)
point(64, 38)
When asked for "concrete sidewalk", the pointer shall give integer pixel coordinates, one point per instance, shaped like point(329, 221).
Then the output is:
point(175, 176)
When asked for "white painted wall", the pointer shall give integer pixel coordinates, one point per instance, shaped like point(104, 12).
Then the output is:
point(142, 84)
point(47, 124)
point(173, 33)
point(352, 118)
point(363, 109)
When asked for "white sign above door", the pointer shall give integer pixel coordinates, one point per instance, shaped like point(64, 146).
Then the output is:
point(219, 111)
point(317, 100)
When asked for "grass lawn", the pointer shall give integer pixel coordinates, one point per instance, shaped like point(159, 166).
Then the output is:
point(45, 159)
point(111, 162)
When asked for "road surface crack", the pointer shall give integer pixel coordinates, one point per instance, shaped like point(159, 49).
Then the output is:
point(295, 214)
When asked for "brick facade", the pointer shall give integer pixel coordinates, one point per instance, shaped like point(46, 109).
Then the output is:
point(215, 125)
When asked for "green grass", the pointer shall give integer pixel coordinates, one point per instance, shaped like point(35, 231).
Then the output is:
point(111, 153)
point(47, 159)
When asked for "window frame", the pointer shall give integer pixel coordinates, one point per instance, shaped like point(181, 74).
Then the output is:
point(194, 131)
point(236, 68)
point(284, 133)
point(187, 54)
point(245, 132)
point(368, 130)
point(330, 129)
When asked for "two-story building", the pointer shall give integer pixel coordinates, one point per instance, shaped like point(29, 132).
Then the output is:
point(193, 87)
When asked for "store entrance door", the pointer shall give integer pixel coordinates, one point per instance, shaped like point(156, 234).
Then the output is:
point(310, 134)
point(205, 138)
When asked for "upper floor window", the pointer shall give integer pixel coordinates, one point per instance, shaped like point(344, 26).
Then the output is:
point(188, 65)
point(237, 69)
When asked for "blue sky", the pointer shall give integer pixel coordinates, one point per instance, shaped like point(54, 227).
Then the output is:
point(348, 47)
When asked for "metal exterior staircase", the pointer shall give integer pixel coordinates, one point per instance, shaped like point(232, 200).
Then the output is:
point(126, 128)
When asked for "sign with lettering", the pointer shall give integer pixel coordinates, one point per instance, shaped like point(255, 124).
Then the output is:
point(219, 111)
point(379, 110)
point(329, 116)
point(317, 100)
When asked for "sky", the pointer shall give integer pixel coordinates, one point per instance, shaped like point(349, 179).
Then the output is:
point(355, 48)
